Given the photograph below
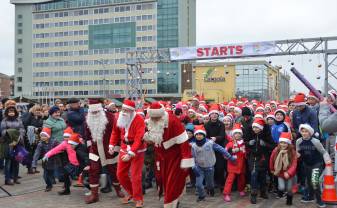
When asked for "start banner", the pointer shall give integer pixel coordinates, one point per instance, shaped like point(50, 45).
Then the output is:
point(223, 51)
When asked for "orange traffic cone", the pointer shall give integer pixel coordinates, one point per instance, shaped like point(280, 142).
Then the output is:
point(329, 190)
point(79, 181)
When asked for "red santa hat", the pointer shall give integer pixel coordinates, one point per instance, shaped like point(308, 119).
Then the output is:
point(285, 137)
point(237, 128)
point(258, 123)
point(280, 110)
point(192, 110)
point(184, 104)
point(254, 102)
point(267, 106)
point(74, 139)
point(203, 107)
point(259, 107)
point(46, 132)
point(67, 132)
point(231, 104)
point(333, 95)
point(307, 127)
point(214, 109)
point(95, 105)
point(300, 99)
point(129, 104)
point(156, 110)
point(273, 102)
point(196, 98)
point(311, 95)
point(270, 115)
point(199, 129)
point(238, 109)
point(229, 116)
point(140, 112)
point(258, 115)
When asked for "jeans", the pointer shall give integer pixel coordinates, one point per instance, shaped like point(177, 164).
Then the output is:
point(258, 180)
point(48, 176)
point(11, 169)
point(2, 165)
point(285, 185)
point(208, 175)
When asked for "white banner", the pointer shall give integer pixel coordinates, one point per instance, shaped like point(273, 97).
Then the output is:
point(223, 51)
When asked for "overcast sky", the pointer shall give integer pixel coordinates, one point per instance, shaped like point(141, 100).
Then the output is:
point(224, 21)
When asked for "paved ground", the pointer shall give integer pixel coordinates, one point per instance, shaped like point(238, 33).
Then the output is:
point(30, 193)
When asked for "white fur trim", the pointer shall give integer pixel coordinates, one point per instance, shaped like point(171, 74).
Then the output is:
point(307, 127)
point(280, 110)
point(259, 108)
point(95, 107)
point(72, 142)
point(213, 111)
point(257, 125)
point(300, 103)
point(270, 116)
point(238, 109)
point(93, 185)
point(66, 135)
point(111, 146)
point(156, 112)
point(128, 107)
point(132, 154)
point(286, 140)
point(187, 163)
point(237, 131)
point(200, 132)
point(258, 116)
point(191, 110)
point(183, 137)
point(45, 134)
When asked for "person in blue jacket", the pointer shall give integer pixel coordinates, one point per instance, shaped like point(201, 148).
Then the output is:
point(279, 125)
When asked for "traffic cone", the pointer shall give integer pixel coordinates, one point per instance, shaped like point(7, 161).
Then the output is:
point(79, 182)
point(329, 190)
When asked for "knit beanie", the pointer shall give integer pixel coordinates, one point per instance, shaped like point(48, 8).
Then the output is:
point(189, 127)
point(53, 109)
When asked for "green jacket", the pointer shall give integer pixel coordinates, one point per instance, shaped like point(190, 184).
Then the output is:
point(8, 142)
point(57, 127)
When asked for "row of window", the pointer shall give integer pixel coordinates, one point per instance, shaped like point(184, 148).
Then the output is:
point(79, 63)
point(85, 92)
point(86, 83)
point(83, 12)
point(61, 44)
point(94, 22)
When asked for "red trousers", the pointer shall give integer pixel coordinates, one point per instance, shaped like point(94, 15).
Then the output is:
point(131, 185)
point(230, 180)
point(96, 169)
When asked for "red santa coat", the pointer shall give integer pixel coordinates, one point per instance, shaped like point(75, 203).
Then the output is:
point(131, 138)
point(172, 157)
point(291, 168)
point(239, 166)
point(100, 149)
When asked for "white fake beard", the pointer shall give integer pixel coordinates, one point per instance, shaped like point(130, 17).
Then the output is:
point(97, 124)
point(124, 119)
point(156, 130)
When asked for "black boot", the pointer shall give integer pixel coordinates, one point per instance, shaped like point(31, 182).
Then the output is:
point(106, 189)
point(263, 194)
point(65, 191)
point(289, 199)
point(67, 184)
point(253, 196)
point(211, 192)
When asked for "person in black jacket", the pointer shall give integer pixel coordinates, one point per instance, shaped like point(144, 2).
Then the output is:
point(215, 130)
point(76, 116)
point(259, 146)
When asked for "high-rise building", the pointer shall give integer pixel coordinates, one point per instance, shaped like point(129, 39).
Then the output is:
point(77, 48)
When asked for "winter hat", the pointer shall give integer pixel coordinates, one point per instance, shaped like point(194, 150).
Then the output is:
point(229, 116)
point(307, 127)
point(74, 139)
point(214, 109)
point(300, 99)
point(258, 115)
point(95, 105)
point(333, 95)
point(267, 106)
point(156, 110)
point(237, 129)
point(129, 104)
point(270, 115)
point(237, 109)
point(285, 137)
point(203, 108)
point(196, 98)
point(191, 110)
point(67, 132)
point(189, 127)
point(246, 111)
point(259, 107)
point(259, 123)
point(311, 95)
point(199, 129)
point(46, 132)
point(280, 110)
point(53, 109)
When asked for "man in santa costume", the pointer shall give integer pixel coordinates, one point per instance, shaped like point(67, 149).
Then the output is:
point(98, 128)
point(172, 152)
point(129, 132)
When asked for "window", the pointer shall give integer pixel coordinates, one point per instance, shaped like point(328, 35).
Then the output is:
point(19, 60)
point(20, 16)
point(19, 89)
point(20, 69)
point(19, 50)
point(20, 24)
point(20, 41)
point(19, 31)
point(19, 79)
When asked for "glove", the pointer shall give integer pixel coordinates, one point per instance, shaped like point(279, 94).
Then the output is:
point(45, 159)
point(196, 171)
point(262, 143)
point(252, 142)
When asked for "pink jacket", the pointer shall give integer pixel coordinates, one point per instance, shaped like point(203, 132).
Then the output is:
point(64, 146)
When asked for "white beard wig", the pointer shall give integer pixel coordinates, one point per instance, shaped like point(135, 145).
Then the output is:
point(156, 130)
point(97, 124)
point(124, 119)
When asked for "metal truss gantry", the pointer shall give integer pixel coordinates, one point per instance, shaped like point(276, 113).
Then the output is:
point(321, 45)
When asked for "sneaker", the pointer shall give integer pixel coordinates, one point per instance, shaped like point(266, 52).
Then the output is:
point(202, 198)
point(48, 188)
point(226, 198)
point(321, 204)
point(126, 199)
point(242, 194)
point(307, 200)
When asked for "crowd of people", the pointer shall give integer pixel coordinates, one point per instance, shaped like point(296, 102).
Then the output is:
point(250, 146)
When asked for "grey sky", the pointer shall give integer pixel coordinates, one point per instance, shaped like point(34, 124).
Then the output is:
point(224, 21)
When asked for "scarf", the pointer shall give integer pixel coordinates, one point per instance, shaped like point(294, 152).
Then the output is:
point(31, 134)
point(281, 162)
point(200, 142)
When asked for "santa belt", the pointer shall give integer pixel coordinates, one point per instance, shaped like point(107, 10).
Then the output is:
point(127, 142)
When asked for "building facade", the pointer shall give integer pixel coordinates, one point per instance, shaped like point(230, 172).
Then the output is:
point(5, 85)
point(77, 48)
point(222, 81)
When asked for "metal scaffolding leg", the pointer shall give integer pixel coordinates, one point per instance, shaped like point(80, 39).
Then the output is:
point(134, 87)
